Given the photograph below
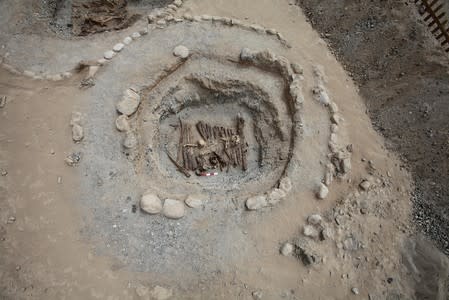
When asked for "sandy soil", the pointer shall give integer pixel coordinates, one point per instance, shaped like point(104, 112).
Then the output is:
point(70, 232)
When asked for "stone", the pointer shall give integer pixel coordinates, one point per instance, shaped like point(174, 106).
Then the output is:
point(365, 185)
point(2, 101)
point(118, 47)
point(322, 192)
point(329, 175)
point(206, 17)
point(327, 233)
point(297, 68)
point(142, 291)
point(346, 165)
point(161, 22)
point(101, 61)
point(92, 71)
point(246, 55)
point(73, 159)
point(129, 103)
point(257, 202)
point(272, 31)
point(355, 291)
point(143, 31)
point(257, 28)
point(122, 124)
point(257, 295)
point(320, 94)
point(285, 184)
point(350, 244)
point(275, 196)
point(109, 54)
point(76, 118)
point(130, 141)
point(336, 119)
point(151, 18)
point(314, 219)
point(334, 128)
point(178, 3)
point(135, 35)
point(310, 231)
point(181, 51)
point(173, 209)
point(194, 201)
point(287, 249)
point(333, 108)
point(161, 293)
point(77, 133)
point(151, 204)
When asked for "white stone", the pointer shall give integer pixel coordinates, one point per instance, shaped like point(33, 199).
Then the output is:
point(272, 31)
point(327, 233)
point(206, 17)
point(320, 94)
point(257, 202)
point(142, 291)
point(285, 184)
point(310, 231)
point(173, 209)
point(101, 61)
point(365, 185)
point(130, 141)
point(135, 35)
point(118, 47)
point(287, 249)
point(122, 124)
point(322, 192)
point(161, 293)
point(194, 201)
point(76, 118)
point(257, 28)
point(151, 204)
point(333, 108)
point(161, 23)
point(275, 196)
point(346, 165)
point(336, 119)
point(355, 291)
point(181, 51)
point(178, 3)
point(297, 68)
point(77, 133)
point(314, 219)
point(109, 54)
point(129, 103)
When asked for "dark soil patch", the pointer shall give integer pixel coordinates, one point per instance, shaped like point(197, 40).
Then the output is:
point(403, 76)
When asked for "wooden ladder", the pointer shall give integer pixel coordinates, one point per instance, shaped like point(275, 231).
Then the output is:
point(436, 20)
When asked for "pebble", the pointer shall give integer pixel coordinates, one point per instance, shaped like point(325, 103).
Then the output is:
point(355, 291)
point(151, 204)
point(285, 184)
point(11, 220)
point(194, 201)
point(73, 159)
point(92, 71)
point(257, 295)
point(297, 68)
point(59, 180)
point(109, 54)
point(142, 291)
point(135, 35)
point(178, 3)
point(129, 103)
point(333, 107)
point(287, 249)
point(327, 233)
point(365, 185)
point(118, 47)
point(346, 165)
point(310, 231)
point(181, 51)
point(173, 209)
point(336, 119)
point(130, 141)
point(257, 202)
point(127, 40)
point(2, 101)
point(161, 293)
point(4, 173)
point(275, 196)
point(314, 219)
point(101, 61)
point(122, 124)
point(77, 133)
point(161, 23)
point(323, 191)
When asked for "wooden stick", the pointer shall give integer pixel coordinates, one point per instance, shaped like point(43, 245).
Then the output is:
point(178, 166)
point(179, 158)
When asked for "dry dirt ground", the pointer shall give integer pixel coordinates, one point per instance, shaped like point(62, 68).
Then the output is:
point(76, 232)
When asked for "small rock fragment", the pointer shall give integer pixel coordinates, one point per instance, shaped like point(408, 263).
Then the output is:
point(355, 291)
point(275, 196)
point(122, 124)
point(181, 51)
point(4, 173)
point(118, 47)
point(129, 103)
point(346, 165)
point(336, 119)
point(109, 54)
point(314, 219)
point(59, 180)
point(161, 293)
point(285, 184)
point(142, 291)
point(2, 101)
point(130, 140)
point(151, 204)
point(310, 231)
point(135, 35)
point(327, 233)
point(194, 201)
point(73, 159)
point(297, 68)
point(178, 3)
point(11, 220)
point(365, 185)
point(257, 295)
point(322, 192)
point(287, 249)
point(127, 40)
point(257, 202)
point(173, 209)
point(77, 133)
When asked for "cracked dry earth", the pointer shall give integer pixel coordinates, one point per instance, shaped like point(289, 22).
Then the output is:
point(101, 192)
